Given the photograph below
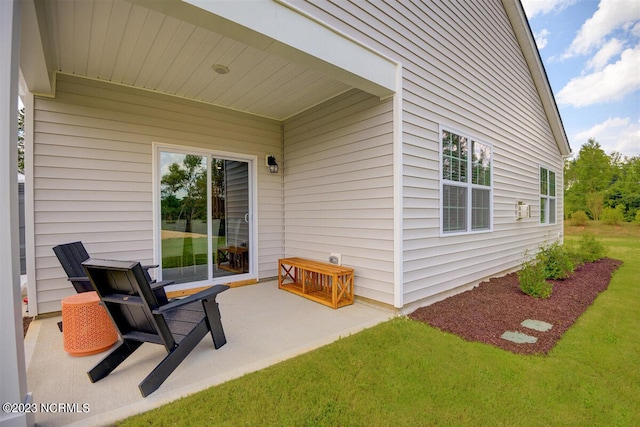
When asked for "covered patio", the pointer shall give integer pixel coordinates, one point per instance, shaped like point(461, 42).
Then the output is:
point(263, 325)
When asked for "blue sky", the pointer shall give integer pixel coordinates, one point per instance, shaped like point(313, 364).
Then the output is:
point(591, 52)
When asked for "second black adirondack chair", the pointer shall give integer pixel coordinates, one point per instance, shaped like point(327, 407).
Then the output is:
point(72, 255)
point(178, 325)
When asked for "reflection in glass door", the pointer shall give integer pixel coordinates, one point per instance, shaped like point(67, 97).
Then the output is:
point(205, 211)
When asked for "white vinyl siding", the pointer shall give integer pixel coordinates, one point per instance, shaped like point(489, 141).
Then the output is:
point(462, 65)
point(93, 172)
point(338, 188)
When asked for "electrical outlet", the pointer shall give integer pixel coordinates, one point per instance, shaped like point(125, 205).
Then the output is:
point(335, 259)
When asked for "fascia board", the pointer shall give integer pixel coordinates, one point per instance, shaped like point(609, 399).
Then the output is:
point(33, 61)
point(520, 25)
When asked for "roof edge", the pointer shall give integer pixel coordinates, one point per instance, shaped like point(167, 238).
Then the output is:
point(527, 43)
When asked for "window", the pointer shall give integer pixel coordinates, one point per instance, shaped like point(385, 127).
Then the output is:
point(466, 184)
point(547, 196)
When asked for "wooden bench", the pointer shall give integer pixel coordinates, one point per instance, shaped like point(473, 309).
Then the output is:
point(328, 284)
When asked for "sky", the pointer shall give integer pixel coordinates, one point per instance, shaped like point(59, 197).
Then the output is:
point(591, 52)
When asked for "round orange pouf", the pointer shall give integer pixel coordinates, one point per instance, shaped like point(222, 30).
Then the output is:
point(87, 328)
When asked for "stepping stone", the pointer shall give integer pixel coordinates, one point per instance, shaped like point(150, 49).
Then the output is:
point(519, 337)
point(537, 325)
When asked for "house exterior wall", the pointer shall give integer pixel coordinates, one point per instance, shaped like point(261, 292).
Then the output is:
point(93, 172)
point(462, 68)
point(338, 188)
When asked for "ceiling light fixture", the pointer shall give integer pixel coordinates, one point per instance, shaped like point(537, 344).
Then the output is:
point(220, 69)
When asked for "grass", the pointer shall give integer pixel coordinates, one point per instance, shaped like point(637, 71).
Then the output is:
point(182, 252)
point(404, 372)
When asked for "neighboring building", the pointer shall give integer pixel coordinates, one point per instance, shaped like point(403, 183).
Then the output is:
point(406, 135)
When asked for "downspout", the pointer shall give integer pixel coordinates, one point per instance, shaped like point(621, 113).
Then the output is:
point(398, 205)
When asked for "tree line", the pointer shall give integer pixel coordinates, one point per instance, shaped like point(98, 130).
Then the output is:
point(601, 185)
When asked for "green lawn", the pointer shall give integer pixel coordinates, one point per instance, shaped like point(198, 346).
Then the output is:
point(405, 373)
point(182, 252)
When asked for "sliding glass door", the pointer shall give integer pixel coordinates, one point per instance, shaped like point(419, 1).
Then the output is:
point(205, 217)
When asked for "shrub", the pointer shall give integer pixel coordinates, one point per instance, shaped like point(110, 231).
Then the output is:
point(637, 220)
point(590, 249)
point(579, 219)
point(556, 261)
point(612, 216)
point(531, 277)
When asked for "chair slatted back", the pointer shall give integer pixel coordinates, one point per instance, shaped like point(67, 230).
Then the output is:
point(71, 257)
point(129, 300)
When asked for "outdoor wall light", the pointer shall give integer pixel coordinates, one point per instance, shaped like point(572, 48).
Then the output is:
point(271, 163)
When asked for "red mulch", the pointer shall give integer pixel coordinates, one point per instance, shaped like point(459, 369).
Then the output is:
point(487, 311)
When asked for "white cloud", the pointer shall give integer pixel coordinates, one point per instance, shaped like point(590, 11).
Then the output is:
point(542, 7)
point(611, 14)
point(610, 84)
point(614, 134)
point(541, 38)
point(610, 49)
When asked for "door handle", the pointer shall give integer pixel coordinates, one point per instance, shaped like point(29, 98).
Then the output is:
point(246, 217)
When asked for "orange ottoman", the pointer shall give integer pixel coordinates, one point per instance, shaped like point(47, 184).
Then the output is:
point(87, 328)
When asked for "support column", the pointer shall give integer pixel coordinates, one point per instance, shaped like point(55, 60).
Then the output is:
point(13, 389)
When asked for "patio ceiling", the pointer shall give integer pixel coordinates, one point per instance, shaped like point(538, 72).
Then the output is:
point(170, 46)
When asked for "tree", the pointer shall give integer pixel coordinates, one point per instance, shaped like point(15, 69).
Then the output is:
point(595, 182)
point(595, 204)
point(589, 173)
point(625, 189)
point(185, 183)
point(21, 140)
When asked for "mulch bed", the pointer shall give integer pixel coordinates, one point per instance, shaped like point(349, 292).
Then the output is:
point(485, 312)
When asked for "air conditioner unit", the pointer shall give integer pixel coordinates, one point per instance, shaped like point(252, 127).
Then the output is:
point(522, 211)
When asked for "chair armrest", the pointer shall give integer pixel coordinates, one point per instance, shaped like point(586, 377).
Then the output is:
point(209, 293)
point(146, 267)
point(78, 279)
point(162, 284)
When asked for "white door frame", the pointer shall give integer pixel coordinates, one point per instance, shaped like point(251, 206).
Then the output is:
point(253, 209)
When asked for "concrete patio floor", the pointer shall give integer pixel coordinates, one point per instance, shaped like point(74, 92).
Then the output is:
point(263, 325)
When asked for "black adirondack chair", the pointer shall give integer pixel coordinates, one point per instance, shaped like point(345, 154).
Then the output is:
point(179, 325)
point(72, 255)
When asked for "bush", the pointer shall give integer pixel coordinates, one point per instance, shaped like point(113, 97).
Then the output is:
point(532, 282)
point(555, 261)
point(612, 216)
point(637, 220)
point(579, 219)
point(590, 249)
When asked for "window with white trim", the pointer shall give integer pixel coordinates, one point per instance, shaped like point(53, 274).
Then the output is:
point(547, 196)
point(467, 189)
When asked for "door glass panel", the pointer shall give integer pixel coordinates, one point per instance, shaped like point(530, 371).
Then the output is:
point(205, 231)
point(233, 242)
point(183, 210)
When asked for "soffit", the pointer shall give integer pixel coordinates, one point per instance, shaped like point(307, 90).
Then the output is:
point(129, 44)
